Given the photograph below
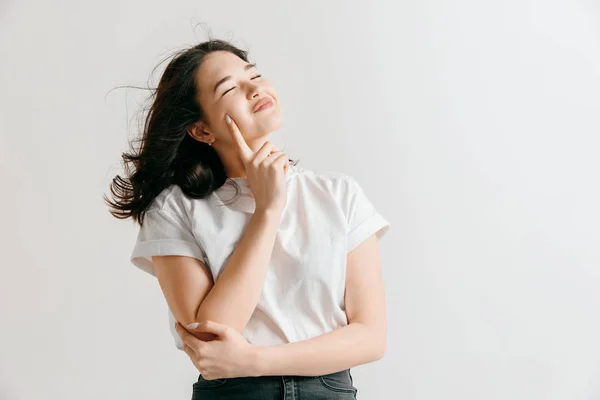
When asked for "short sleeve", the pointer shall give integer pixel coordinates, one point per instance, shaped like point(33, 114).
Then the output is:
point(363, 219)
point(163, 233)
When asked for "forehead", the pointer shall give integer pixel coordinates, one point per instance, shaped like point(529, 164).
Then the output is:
point(216, 65)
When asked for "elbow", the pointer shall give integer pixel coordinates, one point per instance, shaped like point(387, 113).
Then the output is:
point(379, 352)
point(207, 314)
point(375, 341)
point(380, 345)
point(199, 317)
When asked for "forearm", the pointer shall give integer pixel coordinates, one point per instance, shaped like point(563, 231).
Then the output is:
point(234, 296)
point(346, 347)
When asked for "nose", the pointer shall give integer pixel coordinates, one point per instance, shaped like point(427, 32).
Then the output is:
point(254, 90)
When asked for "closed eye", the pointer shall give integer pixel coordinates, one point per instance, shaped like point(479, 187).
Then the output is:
point(257, 76)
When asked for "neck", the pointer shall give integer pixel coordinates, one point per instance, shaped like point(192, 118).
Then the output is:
point(234, 168)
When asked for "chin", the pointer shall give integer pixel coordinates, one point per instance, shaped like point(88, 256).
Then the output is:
point(268, 125)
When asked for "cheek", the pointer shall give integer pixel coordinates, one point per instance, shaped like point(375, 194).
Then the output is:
point(240, 110)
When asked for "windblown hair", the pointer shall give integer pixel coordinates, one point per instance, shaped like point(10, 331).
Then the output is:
point(168, 154)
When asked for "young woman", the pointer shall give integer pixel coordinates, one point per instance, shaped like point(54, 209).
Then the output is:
point(277, 265)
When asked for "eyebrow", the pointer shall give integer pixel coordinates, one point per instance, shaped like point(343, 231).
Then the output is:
point(246, 68)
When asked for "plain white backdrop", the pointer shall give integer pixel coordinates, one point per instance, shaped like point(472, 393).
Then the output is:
point(472, 126)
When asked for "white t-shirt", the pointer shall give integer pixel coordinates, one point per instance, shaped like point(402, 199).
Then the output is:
point(325, 217)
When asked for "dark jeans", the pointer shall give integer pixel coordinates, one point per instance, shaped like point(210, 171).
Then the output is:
point(327, 387)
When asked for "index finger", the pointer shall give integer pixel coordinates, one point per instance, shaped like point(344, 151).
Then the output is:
point(244, 150)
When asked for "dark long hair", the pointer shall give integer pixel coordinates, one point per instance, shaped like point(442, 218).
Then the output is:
point(168, 154)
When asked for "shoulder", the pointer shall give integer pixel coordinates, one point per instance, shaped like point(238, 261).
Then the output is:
point(171, 200)
point(337, 184)
point(330, 179)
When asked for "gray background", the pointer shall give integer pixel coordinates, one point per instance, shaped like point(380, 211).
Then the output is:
point(472, 126)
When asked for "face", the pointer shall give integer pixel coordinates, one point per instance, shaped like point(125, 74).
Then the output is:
point(236, 96)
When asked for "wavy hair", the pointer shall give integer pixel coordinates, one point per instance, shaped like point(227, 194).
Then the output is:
point(168, 154)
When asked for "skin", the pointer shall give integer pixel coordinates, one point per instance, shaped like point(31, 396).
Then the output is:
point(360, 342)
point(229, 355)
point(235, 97)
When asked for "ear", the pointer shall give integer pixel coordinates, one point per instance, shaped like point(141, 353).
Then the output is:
point(198, 132)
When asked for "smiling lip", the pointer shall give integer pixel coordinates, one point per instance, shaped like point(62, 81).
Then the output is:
point(263, 104)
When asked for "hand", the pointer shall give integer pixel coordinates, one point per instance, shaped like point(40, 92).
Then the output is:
point(265, 169)
point(229, 355)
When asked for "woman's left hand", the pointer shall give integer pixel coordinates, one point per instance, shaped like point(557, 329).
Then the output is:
point(229, 355)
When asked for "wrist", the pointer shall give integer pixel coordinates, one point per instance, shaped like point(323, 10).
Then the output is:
point(271, 213)
point(256, 364)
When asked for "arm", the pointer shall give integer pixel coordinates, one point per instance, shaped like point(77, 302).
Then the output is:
point(362, 341)
point(189, 290)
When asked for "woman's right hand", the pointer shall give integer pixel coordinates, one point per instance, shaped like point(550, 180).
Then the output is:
point(265, 169)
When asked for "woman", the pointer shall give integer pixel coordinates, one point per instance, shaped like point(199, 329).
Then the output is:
point(278, 264)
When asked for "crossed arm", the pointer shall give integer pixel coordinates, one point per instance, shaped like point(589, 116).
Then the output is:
point(362, 341)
